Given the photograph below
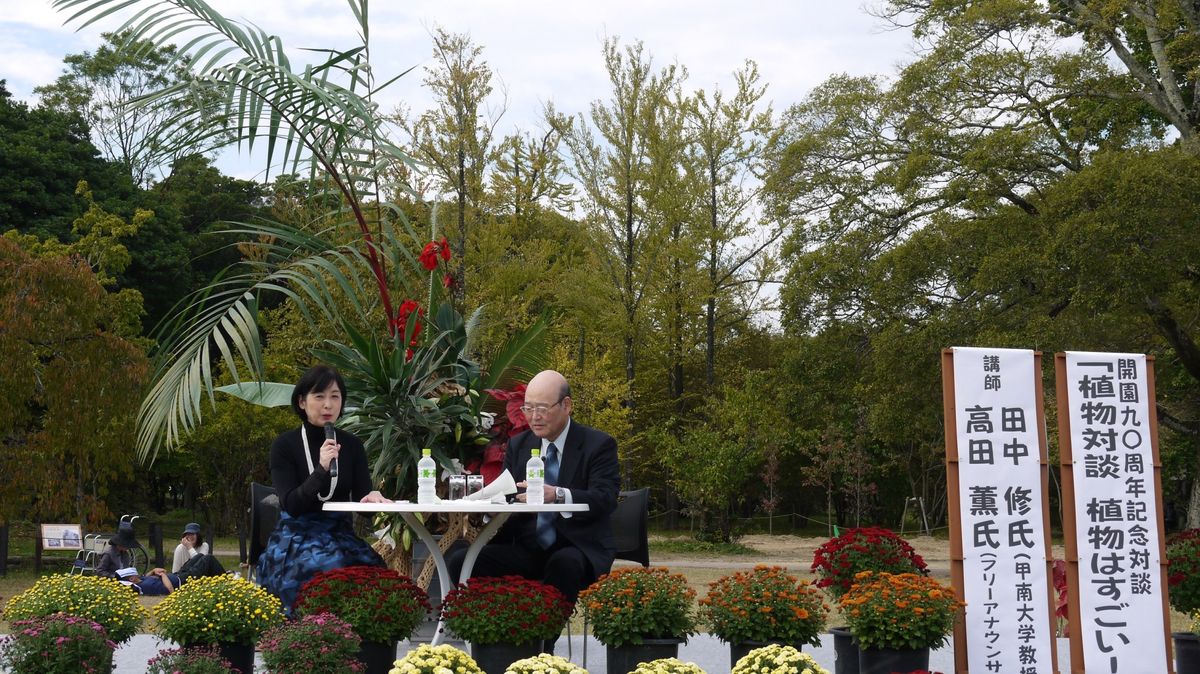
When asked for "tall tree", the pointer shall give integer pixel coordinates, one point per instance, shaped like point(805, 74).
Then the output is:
point(612, 167)
point(43, 154)
point(727, 139)
point(1154, 42)
point(74, 370)
point(529, 171)
point(145, 139)
point(454, 139)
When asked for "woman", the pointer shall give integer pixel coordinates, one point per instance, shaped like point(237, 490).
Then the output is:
point(191, 544)
point(307, 540)
point(118, 556)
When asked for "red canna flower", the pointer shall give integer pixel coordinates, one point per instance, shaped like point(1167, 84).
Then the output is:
point(429, 255)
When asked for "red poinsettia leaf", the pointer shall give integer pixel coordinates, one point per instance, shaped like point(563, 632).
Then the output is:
point(493, 461)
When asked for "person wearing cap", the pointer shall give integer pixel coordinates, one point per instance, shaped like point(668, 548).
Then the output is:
point(117, 555)
point(191, 544)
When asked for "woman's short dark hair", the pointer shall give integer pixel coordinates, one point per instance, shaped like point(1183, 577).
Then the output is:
point(317, 378)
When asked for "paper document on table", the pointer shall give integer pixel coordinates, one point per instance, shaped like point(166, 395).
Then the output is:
point(497, 489)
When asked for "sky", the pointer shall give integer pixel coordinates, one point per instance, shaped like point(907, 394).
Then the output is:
point(539, 50)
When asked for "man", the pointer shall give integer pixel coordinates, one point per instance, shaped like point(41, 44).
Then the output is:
point(566, 550)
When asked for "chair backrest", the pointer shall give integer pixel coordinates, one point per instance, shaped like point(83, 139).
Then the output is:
point(629, 526)
point(264, 515)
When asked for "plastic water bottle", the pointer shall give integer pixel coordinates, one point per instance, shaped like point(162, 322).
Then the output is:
point(535, 478)
point(426, 478)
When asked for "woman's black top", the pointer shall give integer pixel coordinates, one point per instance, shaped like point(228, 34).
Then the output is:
point(297, 489)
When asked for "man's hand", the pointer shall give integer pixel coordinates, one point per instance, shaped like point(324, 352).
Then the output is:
point(548, 493)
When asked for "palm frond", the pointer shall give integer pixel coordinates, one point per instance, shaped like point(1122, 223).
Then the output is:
point(525, 353)
point(319, 117)
point(224, 315)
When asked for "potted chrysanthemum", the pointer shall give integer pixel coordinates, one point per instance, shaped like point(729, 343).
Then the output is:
point(544, 663)
point(315, 644)
point(57, 644)
point(777, 659)
point(426, 659)
point(639, 614)
point(223, 610)
point(838, 560)
point(505, 619)
point(194, 660)
point(382, 606)
point(896, 618)
point(103, 600)
point(749, 609)
point(667, 666)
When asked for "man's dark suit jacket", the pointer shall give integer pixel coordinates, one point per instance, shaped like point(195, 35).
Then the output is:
point(589, 468)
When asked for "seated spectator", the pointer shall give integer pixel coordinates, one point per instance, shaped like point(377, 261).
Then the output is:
point(117, 555)
point(191, 544)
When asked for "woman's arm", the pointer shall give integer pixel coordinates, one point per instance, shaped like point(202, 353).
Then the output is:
point(182, 554)
point(289, 475)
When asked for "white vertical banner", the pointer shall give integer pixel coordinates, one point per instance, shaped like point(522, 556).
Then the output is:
point(1116, 513)
point(1001, 508)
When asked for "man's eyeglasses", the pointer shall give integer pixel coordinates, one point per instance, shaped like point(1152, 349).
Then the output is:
point(530, 410)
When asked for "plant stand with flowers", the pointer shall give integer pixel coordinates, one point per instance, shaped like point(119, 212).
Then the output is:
point(667, 666)
point(639, 614)
point(381, 605)
point(315, 644)
point(223, 610)
point(776, 659)
point(426, 659)
point(752, 609)
point(505, 619)
point(544, 663)
point(198, 660)
point(742, 649)
point(840, 559)
point(57, 643)
point(897, 618)
point(102, 600)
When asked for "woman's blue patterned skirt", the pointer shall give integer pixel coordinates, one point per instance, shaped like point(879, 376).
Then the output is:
point(303, 546)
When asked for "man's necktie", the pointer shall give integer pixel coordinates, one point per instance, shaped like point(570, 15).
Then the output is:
point(545, 524)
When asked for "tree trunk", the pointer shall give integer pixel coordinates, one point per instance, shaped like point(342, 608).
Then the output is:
point(1193, 507)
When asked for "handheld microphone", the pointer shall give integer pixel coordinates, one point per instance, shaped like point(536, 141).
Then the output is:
point(331, 434)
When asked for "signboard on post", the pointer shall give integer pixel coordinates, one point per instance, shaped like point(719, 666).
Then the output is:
point(1112, 520)
point(997, 475)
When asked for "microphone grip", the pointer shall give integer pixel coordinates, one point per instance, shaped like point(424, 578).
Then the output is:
point(331, 434)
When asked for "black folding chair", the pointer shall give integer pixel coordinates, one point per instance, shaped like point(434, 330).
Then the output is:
point(264, 515)
point(629, 526)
